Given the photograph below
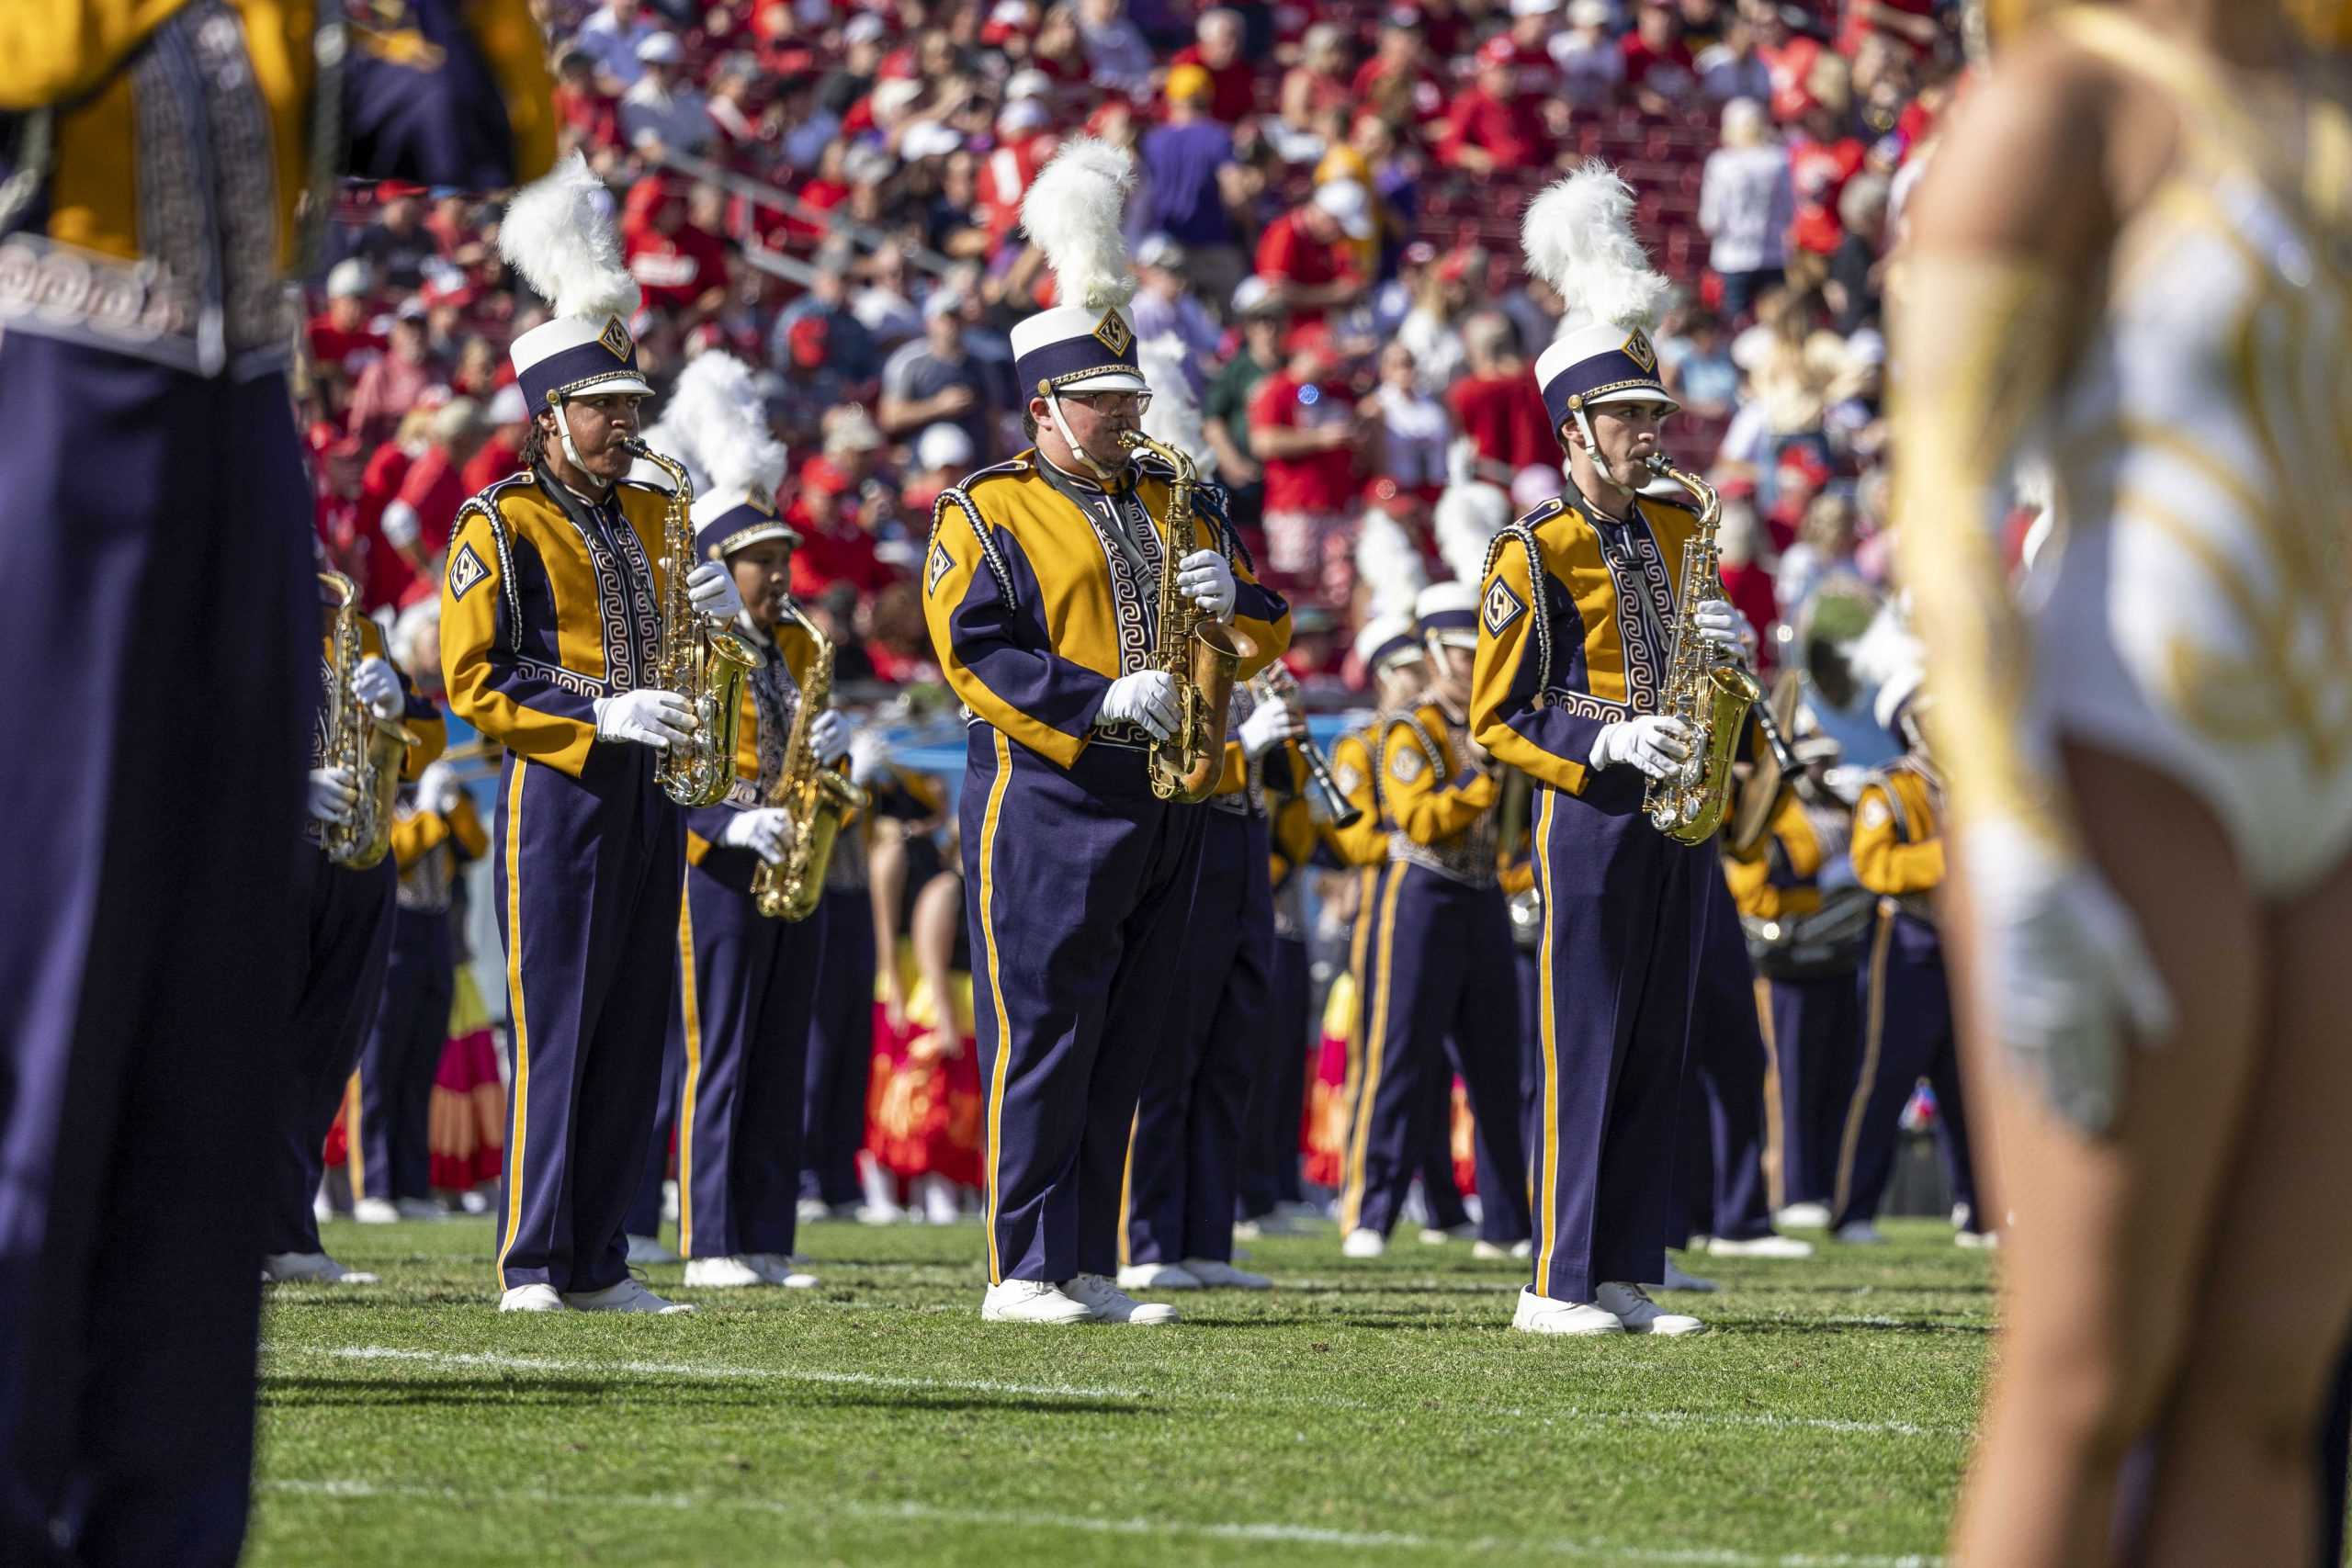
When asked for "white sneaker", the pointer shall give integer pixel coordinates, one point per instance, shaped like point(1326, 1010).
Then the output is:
point(1157, 1277)
point(375, 1212)
point(1488, 1251)
point(1111, 1305)
point(812, 1211)
point(531, 1298)
point(670, 1201)
point(1803, 1217)
point(1633, 1308)
point(310, 1269)
point(1541, 1314)
point(1678, 1279)
point(1033, 1301)
point(1219, 1276)
point(1432, 1235)
point(322, 1207)
point(1281, 1222)
point(476, 1201)
point(1363, 1243)
point(1760, 1247)
point(420, 1209)
point(626, 1296)
point(1861, 1232)
point(1977, 1241)
point(646, 1250)
point(722, 1274)
point(872, 1214)
point(782, 1268)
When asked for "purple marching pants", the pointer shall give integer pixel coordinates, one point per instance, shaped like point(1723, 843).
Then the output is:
point(1077, 882)
point(1184, 1156)
point(1721, 1161)
point(840, 1050)
point(1270, 1173)
point(159, 621)
point(1813, 1029)
point(1908, 1035)
point(392, 1144)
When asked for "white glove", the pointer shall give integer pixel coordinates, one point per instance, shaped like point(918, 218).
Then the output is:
point(401, 525)
point(765, 830)
point(1146, 697)
point(828, 736)
point(332, 794)
point(436, 788)
point(1268, 726)
point(376, 683)
point(1652, 743)
point(648, 715)
point(1205, 578)
point(869, 759)
point(2066, 958)
point(1721, 625)
point(712, 588)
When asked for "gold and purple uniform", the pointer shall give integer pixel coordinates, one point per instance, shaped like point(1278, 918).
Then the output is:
point(1041, 588)
point(549, 603)
point(1272, 1125)
point(1575, 611)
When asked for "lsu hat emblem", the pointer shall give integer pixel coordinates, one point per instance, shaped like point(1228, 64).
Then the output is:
point(1638, 350)
point(1113, 333)
point(465, 571)
point(615, 337)
point(1502, 607)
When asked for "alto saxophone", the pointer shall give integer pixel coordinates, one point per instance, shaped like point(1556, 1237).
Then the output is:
point(1710, 691)
point(1201, 653)
point(817, 798)
point(370, 749)
point(700, 659)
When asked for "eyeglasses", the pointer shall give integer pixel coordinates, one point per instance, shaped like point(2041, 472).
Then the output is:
point(1112, 402)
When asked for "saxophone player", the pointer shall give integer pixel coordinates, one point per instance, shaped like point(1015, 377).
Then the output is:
point(550, 628)
point(347, 931)
point(1041, 586)
point(747, 980)
point(1577, 627)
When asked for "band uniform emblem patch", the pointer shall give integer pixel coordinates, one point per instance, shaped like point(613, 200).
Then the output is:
point(1638, 350)
point(1344, 775)
point(1408, 765)
point(1873, 814)
point(465, 571)
point(1113, 333)
point(615, 337)
point(937, 568)
point(1502, 607)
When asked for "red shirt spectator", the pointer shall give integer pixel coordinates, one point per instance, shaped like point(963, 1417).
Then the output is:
point(393, 384)
point(349, 349)
point(1820, 170)
point(588, 114)
point(833, 547)
point(1504, 415)
point(1749, 586)
point(1306, 249)
point(1495, 127)
point(1317, 482)
point(676, 262)
point(499, 455)
point(1663, 67)
point(1233, 86)
point(384, 575)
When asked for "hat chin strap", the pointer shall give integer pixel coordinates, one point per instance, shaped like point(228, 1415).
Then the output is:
point(563, 433)
point(1061, 428)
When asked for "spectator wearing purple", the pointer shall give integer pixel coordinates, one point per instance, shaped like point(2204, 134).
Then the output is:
point(1190, 183)
point(1731, 69)
point(933, 380)
point(1164, 305)
point(1115, 51)
point(1747, 202)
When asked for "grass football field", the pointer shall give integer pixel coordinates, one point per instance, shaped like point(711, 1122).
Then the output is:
point(1363, 1412)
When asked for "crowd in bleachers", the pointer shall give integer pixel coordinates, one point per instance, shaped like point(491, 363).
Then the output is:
point(1326, 231)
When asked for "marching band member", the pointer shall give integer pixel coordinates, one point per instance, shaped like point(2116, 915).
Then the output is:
point(1267, 1190)
point(745, 980)
point(1898, 852)
point(550, 624)
point(1185, 1155)
point(347, 941)
point(1041, 587)
point(435, 835)
point(155, 564)
point(1445, 939)
point(1575, 615)
point(2166, 315)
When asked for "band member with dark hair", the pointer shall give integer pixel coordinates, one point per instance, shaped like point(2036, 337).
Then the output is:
point(550, 628)
point(1041, 585)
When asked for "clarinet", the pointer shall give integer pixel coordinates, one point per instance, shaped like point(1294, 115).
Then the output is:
point(1277, 684)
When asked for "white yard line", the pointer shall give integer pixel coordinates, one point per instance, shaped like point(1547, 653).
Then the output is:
point(1572, 1414)
point(923, 1512)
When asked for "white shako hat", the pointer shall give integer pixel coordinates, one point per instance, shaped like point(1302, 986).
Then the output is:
point(718, 412)
point(1447, 613)
point(1385, 640)
point(1086, 342)
point(558, 233)
point(1579, 236)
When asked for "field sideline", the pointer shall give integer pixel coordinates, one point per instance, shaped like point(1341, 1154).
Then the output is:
point(1364, 1412)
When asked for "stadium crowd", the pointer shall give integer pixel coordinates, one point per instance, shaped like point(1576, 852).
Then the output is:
point(1325, 231)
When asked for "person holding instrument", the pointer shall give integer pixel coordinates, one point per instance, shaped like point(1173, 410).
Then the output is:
point(1044, 584)
point(551, 631)
point(2145, 747)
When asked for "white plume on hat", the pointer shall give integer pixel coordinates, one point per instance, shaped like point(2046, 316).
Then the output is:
point(1173, 419)
point(1469, 513)
point(697, 413)
point(730, 424)
point(558, 233)
point(1579, 236)
point(1889, 655)
point(1073, 211)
